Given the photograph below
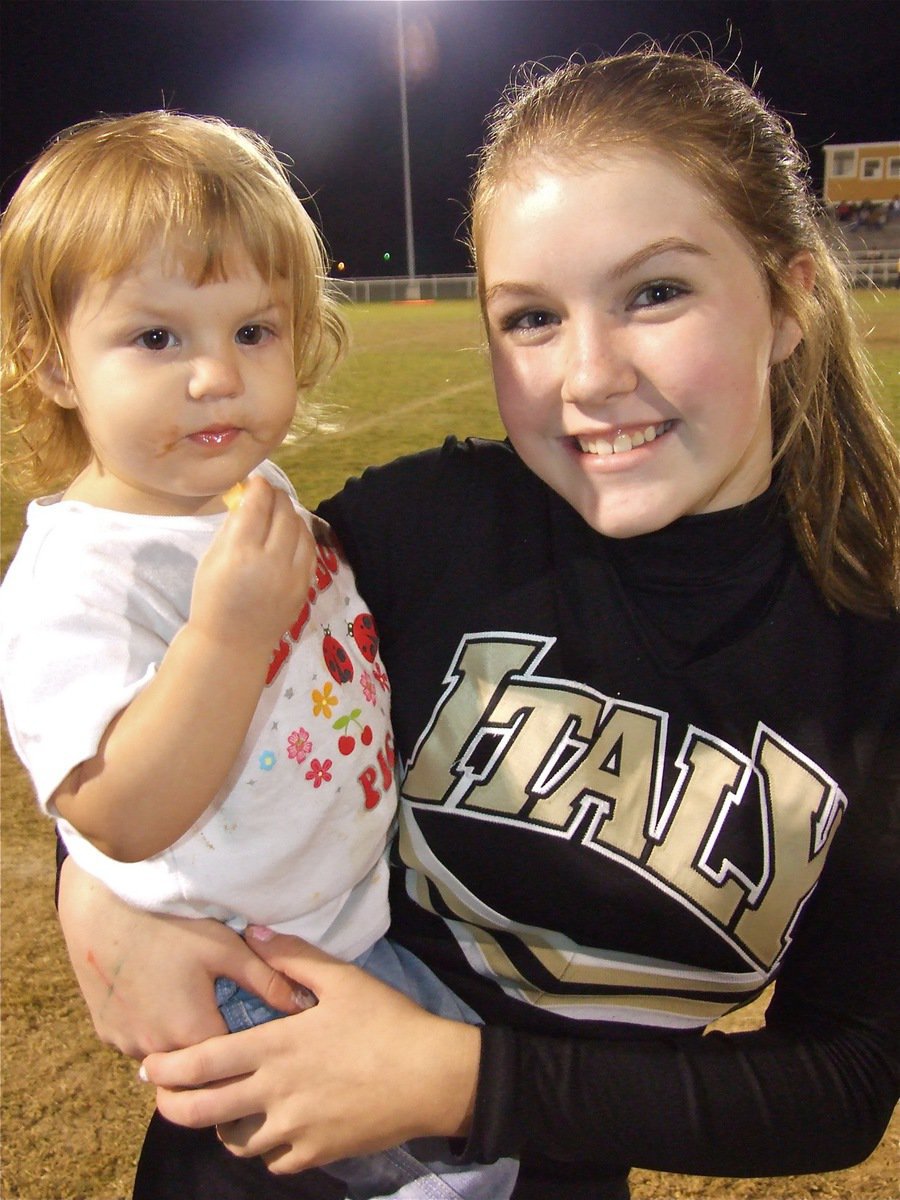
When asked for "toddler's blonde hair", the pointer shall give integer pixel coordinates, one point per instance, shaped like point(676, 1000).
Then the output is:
point(102, 196)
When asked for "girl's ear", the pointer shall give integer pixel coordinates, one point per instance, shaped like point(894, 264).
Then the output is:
point(53, 380)
point(801, 272)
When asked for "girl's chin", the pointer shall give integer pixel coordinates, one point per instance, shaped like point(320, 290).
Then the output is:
point(628, 518)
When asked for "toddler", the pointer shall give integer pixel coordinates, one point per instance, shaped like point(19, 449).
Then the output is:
point(197, 693)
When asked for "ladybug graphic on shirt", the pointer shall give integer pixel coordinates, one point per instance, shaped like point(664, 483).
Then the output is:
point(337, 660)
point(362, 630)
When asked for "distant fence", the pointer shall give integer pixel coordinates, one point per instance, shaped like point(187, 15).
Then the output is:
point(875, 268)
point(868, 268)
point(399, 287)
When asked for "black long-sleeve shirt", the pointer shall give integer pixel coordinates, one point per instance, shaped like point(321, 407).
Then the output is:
point(644, 778)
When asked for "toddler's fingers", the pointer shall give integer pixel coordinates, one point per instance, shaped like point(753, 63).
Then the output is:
point(251, 516)
point(288, 534)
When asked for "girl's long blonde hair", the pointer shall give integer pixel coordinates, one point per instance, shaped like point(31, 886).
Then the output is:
point(837, 460)
point(99, 198)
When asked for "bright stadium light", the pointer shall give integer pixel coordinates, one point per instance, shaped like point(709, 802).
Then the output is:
point(412, 288)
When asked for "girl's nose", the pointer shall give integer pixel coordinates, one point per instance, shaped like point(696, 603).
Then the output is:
point(598, 367)
point(214, 377)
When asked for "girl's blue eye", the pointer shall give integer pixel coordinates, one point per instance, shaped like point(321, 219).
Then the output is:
point(657, 293)
point(155, 339)
point(533, 319)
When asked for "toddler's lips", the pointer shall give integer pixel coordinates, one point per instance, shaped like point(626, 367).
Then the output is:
point(214, 438)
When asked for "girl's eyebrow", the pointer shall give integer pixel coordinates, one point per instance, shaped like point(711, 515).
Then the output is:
point(509, 289)
point(667, 245)
point(662, 246)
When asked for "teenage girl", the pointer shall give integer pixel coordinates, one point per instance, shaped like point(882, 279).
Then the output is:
point(646, 670)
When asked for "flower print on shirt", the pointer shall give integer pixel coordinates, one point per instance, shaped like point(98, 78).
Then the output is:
point(319, 772)
point(324, 701)
point(368, 687)
point(299, 745)
point(267, 760)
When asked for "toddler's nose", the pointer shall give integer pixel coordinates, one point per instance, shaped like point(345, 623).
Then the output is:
point(214, 376)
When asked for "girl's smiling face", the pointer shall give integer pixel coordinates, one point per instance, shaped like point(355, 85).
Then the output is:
point(631, 336)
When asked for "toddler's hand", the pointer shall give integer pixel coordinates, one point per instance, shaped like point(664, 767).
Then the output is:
point(253, 580)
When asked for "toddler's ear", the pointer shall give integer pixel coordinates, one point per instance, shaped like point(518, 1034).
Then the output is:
point(53, 380)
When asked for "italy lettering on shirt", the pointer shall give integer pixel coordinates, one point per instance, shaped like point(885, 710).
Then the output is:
point(327, 565)
point(508, 744)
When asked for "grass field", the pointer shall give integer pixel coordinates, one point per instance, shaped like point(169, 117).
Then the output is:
point(72, 1111)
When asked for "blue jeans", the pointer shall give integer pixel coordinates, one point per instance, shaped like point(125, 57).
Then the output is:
point(423, 1169)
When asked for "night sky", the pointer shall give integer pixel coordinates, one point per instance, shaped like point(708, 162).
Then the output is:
point(319, 79)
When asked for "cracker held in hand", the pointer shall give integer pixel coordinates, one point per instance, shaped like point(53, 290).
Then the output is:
point(234, 495)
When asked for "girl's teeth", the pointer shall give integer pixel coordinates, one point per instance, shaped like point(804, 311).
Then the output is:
point(623, 442)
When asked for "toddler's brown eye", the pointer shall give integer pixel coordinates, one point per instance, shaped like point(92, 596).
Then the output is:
point(155, 339)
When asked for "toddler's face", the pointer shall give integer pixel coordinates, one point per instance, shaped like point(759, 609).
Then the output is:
point(631, 339)
point(182, 390)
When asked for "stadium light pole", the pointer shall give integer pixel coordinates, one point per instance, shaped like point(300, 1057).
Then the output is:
point(412, 288)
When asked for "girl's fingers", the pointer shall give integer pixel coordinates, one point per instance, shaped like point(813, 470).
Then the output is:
point(271, 986)
point(203, 1107)
point(213, 1061)
point(242, 1136)
point(286, 1160)
point(290, 956)
point(250, 1137)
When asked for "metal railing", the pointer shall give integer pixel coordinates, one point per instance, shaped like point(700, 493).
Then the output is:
point(875, 268)
point(400, 288)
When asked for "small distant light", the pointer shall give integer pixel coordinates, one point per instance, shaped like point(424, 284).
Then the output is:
point(341, 266)
point(386, 256)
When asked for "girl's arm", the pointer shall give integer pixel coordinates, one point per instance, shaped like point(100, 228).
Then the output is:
point(381, 1070)
point(366, 1069)
point(148, 980)
point(164, 757)
point(813, 1091)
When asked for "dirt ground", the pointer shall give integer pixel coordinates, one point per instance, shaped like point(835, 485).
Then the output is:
point(73, 1111)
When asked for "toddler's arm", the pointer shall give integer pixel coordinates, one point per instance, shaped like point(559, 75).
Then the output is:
point(148, 979)
point(164, 757)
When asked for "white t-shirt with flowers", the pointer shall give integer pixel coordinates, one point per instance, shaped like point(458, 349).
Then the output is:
point(296, 839)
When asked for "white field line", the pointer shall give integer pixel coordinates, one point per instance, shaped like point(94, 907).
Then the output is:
point(388, 416)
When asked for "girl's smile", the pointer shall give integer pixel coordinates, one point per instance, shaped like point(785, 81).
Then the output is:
point(631, 362)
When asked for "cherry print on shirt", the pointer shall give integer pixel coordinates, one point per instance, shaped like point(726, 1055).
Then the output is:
point(337, 660)
point(347, 742)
